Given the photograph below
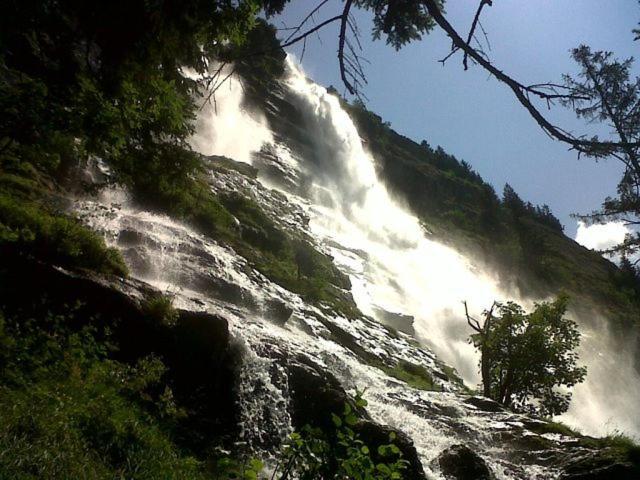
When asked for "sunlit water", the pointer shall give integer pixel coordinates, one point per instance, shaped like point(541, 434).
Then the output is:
point(393, 265)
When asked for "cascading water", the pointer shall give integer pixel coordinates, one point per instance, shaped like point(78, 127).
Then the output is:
point(405, 272)
point(394, 267)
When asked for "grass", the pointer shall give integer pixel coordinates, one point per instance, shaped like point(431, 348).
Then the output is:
point(415, 376)
point(68, 411)
point(30, 225)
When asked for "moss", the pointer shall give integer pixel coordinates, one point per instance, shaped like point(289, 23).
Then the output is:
point(553, 427)
point(413, 375)
point(289, 260)
point(452, 375)
point(29, 225)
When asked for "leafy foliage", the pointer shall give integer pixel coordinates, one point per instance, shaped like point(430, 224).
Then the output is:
point(400, 22)
point(31, 225)
point(68, 411)
point(313, 454)
point(526, 357)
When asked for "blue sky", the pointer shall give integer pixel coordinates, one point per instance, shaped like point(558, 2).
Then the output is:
point(475, 117)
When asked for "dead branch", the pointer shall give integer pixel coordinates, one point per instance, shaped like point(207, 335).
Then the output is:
point(473, 28)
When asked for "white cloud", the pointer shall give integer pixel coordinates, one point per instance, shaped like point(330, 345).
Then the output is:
point(600, 237)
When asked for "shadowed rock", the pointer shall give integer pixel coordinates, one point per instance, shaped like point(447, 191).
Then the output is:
point(459, 462)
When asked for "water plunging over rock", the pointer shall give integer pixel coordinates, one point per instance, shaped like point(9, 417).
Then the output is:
point(299, 360)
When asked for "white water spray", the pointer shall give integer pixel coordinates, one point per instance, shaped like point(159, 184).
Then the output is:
point(403, 271)
point(224, 127)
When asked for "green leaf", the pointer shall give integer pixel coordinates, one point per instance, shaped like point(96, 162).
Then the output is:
point(337, 421)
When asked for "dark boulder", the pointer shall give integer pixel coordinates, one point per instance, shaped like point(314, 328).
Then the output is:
point(374, 434)
point(485, 404)
point(459, 462)
point(601, 466)
point(615, 471)
point(196, 347)
point(277, 311)
point(399, 321)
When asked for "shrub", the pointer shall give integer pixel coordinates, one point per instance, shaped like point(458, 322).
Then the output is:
point(68, 411)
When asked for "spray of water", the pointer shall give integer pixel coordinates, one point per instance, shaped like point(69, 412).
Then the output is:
point(223, 125)
point(403, 271)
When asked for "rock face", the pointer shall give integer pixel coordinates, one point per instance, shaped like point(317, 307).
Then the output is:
point(595, 466)
point(317, 394)
point(484, 404)
point(459, 462)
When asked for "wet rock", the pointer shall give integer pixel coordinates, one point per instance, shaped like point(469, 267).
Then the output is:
point(128, 238)
point(226, 163)
point(459, 462)
point(485, 404)
point(277, 311)
point(316, 394)
point(201, 360)
point(399, 321)
point(600, 466)
point(373, 434)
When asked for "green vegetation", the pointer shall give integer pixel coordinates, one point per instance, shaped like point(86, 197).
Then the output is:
point(337, 454)
point(31, 225)
point(413, 375)
point(313, 453)
point(523, 242)
point(553, 427)
point(160, 309)
point(239, 222)
point(525, 357)
point(114, 89)
point(615, 447)
point(69, 411)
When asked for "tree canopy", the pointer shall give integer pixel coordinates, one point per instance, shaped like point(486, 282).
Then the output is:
point(528, 361)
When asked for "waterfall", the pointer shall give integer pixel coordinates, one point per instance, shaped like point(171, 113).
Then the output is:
point(404, 272)
point(394, 267)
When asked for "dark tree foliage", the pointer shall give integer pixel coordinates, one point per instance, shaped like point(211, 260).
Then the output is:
point(519, 208)
point(399, 21)
point(107, 79)
point(526, 357)
point(610, 95)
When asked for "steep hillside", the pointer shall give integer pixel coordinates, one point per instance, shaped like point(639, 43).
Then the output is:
point(525, 244)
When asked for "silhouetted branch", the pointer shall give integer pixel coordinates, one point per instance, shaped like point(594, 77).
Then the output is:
point(473, 28)
point(591, 147)
point(344, 20)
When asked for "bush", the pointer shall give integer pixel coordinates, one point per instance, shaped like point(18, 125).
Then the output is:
point(414, 375)
point(68, 411)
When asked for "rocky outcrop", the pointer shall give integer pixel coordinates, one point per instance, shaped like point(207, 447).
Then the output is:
point(484, 404)
point(316, 394)
point(600, 466)
point(459, 462)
